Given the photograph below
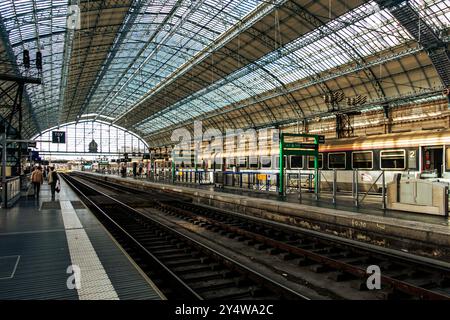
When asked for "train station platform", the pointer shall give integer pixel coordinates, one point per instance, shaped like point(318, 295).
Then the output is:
point(414, 233)
point(45, 243)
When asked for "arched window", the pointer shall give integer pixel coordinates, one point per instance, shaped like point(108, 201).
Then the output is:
point(90, 139)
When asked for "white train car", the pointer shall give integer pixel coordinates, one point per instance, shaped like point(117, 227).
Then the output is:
point(423, 153)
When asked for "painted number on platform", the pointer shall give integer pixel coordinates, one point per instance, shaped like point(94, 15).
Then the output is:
point(359, 224)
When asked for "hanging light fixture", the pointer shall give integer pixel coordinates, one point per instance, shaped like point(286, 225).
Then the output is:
point(26, 58)
point(39, 60)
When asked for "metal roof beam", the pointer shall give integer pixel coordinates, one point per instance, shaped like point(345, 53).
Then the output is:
point(424, 34)
point(219, 43)
point(130, 18)
point(399, 100)
point(149, 42)
point(20, 79)
point(283, 51)
point(10, 53)
point(322, 79)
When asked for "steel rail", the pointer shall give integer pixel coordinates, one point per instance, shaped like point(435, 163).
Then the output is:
point(229, 262)
point(173, 277)
point(336, 264)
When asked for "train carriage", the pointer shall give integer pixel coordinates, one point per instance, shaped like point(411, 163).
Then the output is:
point(423, 153)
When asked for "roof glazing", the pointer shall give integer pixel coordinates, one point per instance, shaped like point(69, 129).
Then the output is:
point(361, 33)
point(39, 26)
point(164, 37)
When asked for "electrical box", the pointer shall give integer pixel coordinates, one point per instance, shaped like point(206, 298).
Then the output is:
point(417, 195)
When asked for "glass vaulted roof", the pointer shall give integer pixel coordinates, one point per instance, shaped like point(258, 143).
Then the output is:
point(165, 35)
point(360, 33)
point(158, 38)
point(38, 26)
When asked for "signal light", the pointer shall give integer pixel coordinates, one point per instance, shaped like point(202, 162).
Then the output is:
point(26, 59)
point(39, 60)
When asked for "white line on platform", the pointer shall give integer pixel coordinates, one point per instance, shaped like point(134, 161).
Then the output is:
point(13, 272)
point(95, 283)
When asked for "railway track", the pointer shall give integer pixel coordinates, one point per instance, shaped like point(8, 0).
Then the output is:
point(401, 277)
point(182, 267)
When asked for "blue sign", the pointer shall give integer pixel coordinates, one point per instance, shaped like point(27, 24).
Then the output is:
point(34, 155)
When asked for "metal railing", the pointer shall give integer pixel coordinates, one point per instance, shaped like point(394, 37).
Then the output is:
point(161, 176)
point(257, 181)
point(356, 193)
point(194, 177)
point(25, 181)
point(11, 192)
point(296, 182)
point(305, 181)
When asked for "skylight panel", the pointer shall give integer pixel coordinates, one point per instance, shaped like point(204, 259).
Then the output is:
point(435, 12)
point(200, 26)
point(23, 27)
point(318, 51)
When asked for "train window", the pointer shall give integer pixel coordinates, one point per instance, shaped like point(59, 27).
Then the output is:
point(253, 162)
point(362, 160)
point(447, 157)
point(277, 162)
point(296, 162)
point(201, 164)
point(311, 161)
point(392, 159)
point(242, 162)
point(336, 160)
point(266, 162)
point(216, 166)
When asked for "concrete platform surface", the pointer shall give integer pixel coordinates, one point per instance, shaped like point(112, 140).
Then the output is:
point(46, 243)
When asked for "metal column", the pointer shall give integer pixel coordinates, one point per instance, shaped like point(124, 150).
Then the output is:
point(4, 200)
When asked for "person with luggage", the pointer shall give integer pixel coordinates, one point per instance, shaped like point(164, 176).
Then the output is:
point(141, 169)
point(123, 171)
point(37, 179)
point(53, 181)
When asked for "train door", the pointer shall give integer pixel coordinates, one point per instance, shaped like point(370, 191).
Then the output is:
point(433, 159)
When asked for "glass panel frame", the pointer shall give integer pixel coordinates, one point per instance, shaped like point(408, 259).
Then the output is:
point(310, 161)
point(332, 154)
point(360, 153)
point(393, 154)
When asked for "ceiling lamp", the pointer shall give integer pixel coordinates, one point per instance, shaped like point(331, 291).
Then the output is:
point(26, 59)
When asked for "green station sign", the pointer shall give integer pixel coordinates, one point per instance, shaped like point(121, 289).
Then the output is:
point(297, 145)
point(299, 149)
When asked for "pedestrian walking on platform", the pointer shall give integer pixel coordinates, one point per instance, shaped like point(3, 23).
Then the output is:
point(53, 181)
point(37, 179)
point(123, 171)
